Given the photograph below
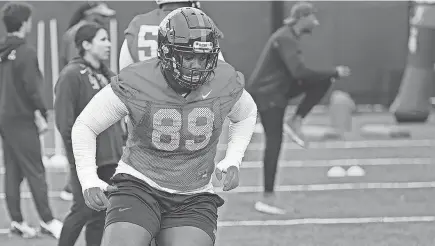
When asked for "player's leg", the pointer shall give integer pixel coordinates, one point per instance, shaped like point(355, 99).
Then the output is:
point(184, 236)
point(272, 120)
point(189, 220)
point(133, 214)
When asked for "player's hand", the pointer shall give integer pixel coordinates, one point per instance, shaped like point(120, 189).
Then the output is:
point(229, 169)
point(96, 199)
point(343, 71)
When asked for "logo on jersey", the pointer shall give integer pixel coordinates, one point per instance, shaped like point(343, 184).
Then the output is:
point(206, 95)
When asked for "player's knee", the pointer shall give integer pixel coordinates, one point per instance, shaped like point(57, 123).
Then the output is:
point(115, 234)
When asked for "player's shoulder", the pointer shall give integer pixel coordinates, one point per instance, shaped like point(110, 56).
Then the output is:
point(151, 18)
point(227, 80)
point(140, 80)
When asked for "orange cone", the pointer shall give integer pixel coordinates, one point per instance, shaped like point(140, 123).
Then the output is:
point(412, 103)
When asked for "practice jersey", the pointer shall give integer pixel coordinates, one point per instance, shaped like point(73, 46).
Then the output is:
point(141, 35)
point(173, 139)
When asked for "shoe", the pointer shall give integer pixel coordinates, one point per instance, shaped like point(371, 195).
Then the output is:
point(52, 228)
point(66, 196)
point(23, 230)
point(268, 209)
point(295, 137)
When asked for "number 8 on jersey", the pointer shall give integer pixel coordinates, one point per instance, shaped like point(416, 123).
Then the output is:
point(171, 131)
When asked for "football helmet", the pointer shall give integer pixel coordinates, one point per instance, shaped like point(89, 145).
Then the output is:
point(186, 32)
point(195, 4)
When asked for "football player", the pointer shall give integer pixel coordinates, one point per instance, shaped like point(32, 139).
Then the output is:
point(140, 41)
point(176, 105)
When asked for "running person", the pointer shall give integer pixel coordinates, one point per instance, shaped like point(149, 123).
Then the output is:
point(176, 104)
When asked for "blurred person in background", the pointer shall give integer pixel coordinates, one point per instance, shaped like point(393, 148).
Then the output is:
point(79, 81)
point(89, 12)
point(281, 75)
point(21, 96)
point(140, 41)
point(97, 12)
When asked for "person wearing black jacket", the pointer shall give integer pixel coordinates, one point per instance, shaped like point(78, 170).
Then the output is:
point(88, 12)
point(21, 84)
point(280, 75)
point(78, 82)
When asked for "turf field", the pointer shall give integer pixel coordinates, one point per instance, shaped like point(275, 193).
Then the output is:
point(391, 205)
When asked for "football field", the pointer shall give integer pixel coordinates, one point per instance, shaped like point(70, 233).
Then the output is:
point(392, 204)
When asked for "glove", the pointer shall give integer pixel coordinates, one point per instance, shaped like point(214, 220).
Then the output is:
point(231, 170)
point(95, 198)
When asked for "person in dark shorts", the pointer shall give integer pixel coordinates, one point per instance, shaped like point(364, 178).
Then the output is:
point(176, 104)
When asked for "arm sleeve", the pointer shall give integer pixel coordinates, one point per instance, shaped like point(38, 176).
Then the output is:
point(33, 81)
point(243, 117)
point(104, 110)
point(66, 92)
point(290, 53)
point(125, 58)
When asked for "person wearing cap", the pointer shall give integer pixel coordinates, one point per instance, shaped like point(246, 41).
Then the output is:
point(97, 12)
point(280, 75)
point(88, 12)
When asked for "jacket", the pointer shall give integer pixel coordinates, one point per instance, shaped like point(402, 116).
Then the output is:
point(77, 85)
point(21, 81)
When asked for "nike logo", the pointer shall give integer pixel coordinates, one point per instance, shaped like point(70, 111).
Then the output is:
point(206, 95)
point(123, 209)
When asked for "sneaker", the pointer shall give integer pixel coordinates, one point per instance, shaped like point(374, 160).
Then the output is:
point(52, 228)
point(66, 196)
point(23, 230)
point(268, 209)
point(295, 137)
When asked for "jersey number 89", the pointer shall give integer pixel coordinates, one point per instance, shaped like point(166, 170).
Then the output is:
point(147, 42)
point(173, 131)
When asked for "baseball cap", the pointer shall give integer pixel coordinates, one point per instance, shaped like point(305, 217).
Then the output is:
point(298, 11)
point(100, 8)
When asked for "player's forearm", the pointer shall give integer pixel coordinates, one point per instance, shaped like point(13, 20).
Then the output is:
point(104, 110)
point(242, 124)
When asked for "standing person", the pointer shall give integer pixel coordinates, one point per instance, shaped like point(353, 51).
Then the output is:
point(280, 75)
point(21, 86)
point(140, 42)
point(97, 12)
point(78, 82)
point(177, 104)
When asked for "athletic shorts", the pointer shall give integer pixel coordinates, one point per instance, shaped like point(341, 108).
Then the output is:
point(138, 203)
